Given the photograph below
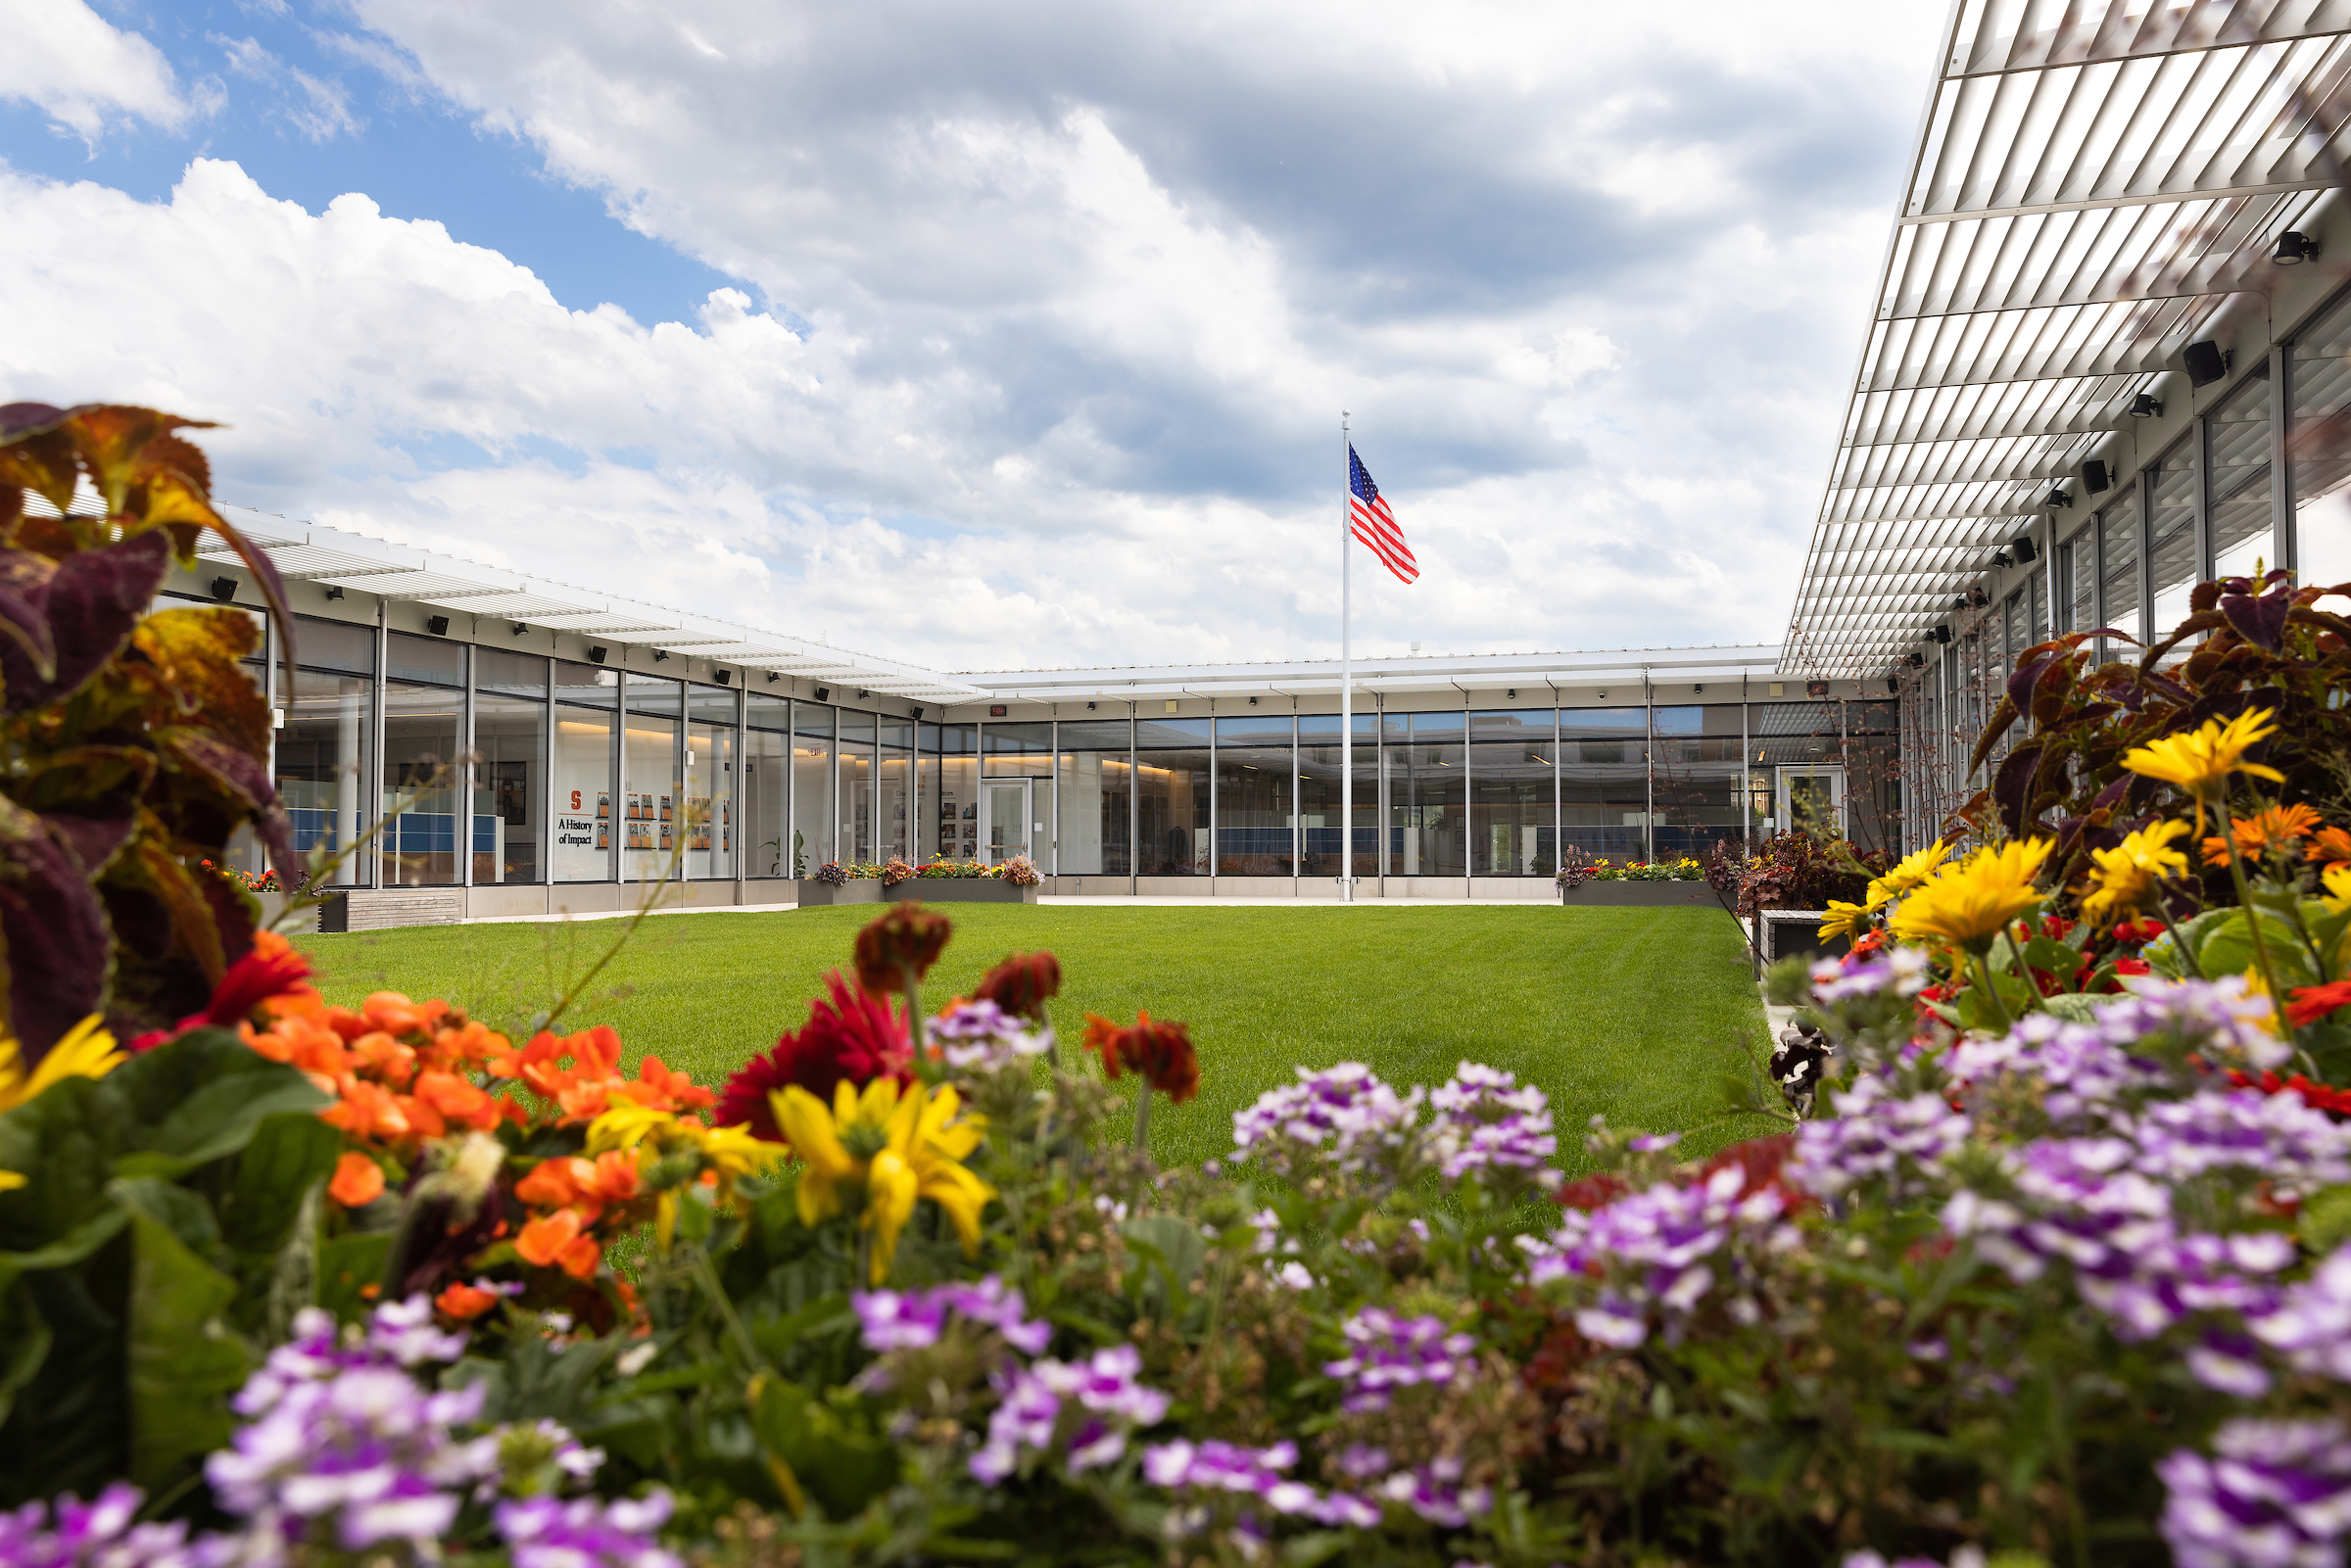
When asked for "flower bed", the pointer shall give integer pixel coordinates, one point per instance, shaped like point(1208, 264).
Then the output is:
point(2052, 1258)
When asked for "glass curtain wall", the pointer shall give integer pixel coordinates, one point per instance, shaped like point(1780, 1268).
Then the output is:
point(895, 765)
point(2171, 565)
point(2078, 579)
point(1427, 798)
point(1256, 796)
point(1696, 775)
point(1513, 821)
point(1604, 782)
point(2118, 572)
point(1321, 760)
point(1095, 782)
point(811, 788)
point(1023, 751)
point(853, 776)
point(766, 786)
point(1172, 782)
point(2318, 456)
point(2237, 432)
point(510, 739)
point(587, 713)
point(958, 794)
point(651, 787)
point(424, 722)
point(323, 747)
point(709, 823)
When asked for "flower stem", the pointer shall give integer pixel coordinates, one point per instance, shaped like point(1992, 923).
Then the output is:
point(2244, 899)
point(1142, 1112)
point(1991, 992)
point(913, 1029)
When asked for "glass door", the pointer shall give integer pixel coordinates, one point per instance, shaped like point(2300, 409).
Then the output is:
point(1812, 800)
point(1004, 823)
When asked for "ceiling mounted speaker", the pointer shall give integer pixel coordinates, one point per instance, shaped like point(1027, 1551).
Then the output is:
point(2023, 549)
point(438, 625)
point(726, 677)
point(1940, 634)
point(2094, 477)
point(2205, 363)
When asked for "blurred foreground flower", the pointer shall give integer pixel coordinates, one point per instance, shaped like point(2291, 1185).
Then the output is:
point(887, 1147)
point(851, 1038)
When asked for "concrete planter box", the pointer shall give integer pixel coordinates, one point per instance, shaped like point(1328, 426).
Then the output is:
point(861, 891)
point(959, 890)
point(1641, 896)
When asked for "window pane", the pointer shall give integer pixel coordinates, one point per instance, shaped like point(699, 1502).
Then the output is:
point(319, 762)
point(648, 695)
point(811, 788)
point(1172, 797)
point(763, 712)
point(2320, 456)
point(1426, 805)
point(1696, 734)
point(336, 645)
point(855, 781)
point(509, 736)
point(1096, 783)
point(896, 764)
point(1511, 821)
point(590, 685)
point(2171, 553)
point(709, 825)
point(2238, 431)
point(957, 797)
point(584, 815)
point(2118, 545)
point(766, 782)
point(522, 674)
point(1320, 758)
point(1254, 764)
point(710, 704)
point(2078, 579)
point(651, 795)
point(427, 659)
point(420, 744)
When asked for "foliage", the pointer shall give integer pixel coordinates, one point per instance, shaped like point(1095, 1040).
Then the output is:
point(1019, 871)
point(1792, 870)
point(132, 744)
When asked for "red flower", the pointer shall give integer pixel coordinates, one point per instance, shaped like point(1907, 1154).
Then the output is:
point(1161, 1053)
point(2139, 932)
point(2317, 1096)
point(854, 1036)
point(2312, 1003)
point(903, 943)
point(1022, 984)
point(271, 969)
point(2131, 967)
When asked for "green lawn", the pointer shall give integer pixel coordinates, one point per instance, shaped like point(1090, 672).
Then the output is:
point(1631, 1011)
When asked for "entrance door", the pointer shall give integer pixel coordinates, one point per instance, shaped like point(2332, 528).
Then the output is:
point(1004, 819)
point(1812, 800)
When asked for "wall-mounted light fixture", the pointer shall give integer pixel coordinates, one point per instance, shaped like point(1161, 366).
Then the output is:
point(517, 628)
point(660, 655)
point(1089, 707)
point(1940, 634)
point(438, 625)
point(2147, 405)
point(773, 677)
point(2294, 248)
point(2094, 477)
point(915, 712)
point(1915, 659)
point(824, 694)
point(1999, 557)
point(595, 656)
point(1252, 702)
point(2058, 498)
point(1975, 598)
point(1694, 691)
point(861, 693)
point(333, 592)
point(224, 589)
point(1893, 684)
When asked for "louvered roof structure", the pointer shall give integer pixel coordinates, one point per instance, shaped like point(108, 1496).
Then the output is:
point(2092, 181)
point(308, 551)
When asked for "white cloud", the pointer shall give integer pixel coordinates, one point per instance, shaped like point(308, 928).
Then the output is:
point(324, 108)
point(83, 72)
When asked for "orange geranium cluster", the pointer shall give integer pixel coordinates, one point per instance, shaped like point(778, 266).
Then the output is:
point(580, 1074)
point(572, 1196)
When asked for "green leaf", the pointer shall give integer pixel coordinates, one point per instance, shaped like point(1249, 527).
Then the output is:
point(841, 1467)
point(287, 1154)
point(2074, 1007)
point(348, 1264)
point(187, 1216)
point(25, 1339)
point(182, 1362)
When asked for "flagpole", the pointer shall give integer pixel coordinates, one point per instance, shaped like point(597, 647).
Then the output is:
point(1345, 671)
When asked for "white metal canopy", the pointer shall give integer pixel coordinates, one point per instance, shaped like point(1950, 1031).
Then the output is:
point(2091, 181)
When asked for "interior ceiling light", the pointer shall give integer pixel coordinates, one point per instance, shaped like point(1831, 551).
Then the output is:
point(2294, 248)
point(2147, 405)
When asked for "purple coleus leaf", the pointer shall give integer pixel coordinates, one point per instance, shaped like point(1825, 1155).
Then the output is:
point(2259, 621)
point(59, 944)
point(232, 770)
point(91, 600)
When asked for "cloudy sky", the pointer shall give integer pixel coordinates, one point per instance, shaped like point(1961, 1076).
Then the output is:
point(997, 335)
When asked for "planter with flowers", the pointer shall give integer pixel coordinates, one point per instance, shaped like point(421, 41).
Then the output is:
point(945, 882)
point(835, 883)
point(1637, 884)
point(2048, 1262)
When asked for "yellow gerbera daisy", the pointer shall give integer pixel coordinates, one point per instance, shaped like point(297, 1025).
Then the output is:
point(2201, 760)
point(1908, 873)
point(1970, 902)
point(2124, 876)
point(84, 1051)
point(1845, 920)
point(896, 1147)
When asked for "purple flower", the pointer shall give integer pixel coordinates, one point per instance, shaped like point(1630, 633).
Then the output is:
point(902, 1320)
point(1217, 1466)
point(1386, 1352)
point(1902, 971)
point(1343, 1118)
point(1877, 1139)
point(2272, 1492)
point(104, 1534)
point(982, 1037)
point(1486, 1121)
point(1434, 1492)
point(1665, 1249)
point(2311, 1322)
point(586, 1532)
point(1098, 1400)
point(407, 1332)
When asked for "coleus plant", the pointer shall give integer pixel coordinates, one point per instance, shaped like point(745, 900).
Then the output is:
point(132, 745)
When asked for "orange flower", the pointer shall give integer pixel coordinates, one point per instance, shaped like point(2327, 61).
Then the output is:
point(1162, 1053)
point(899, 946)
point(384, 1059)
point(556, 1239)
point(464, 1302)
point(471, 1045)
point(583, 1187)
point(395, 1013)
point(2271, 825)
point(657, 1088)
point(368, 1112)
point(358, 1183)
point(458, 1099)
point(580, 1089)
point(2329, 846)
point(313, 1047)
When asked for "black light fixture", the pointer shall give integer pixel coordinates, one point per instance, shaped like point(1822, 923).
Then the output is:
point(1915, 659)
point(2294, 248)
point(824, 694)
point(333, 592)
point(726, 677)
point(1252, 702)
point(1893, 684)
point(1940, 634)
point(2147, 405)
point(1975, 598)
point(595, 656)
point(915, 712)
point(773, 677)
point(438, 625)
point(2093, 475)
point(224, 589)
point(2023, 549)
point(861, 693)
point(660, 655)
point(1960, 602)
point(1511, 692)
point(1696, 689)
point(1999, 557)
point(517, 628)
point(2206, 362)
point(2058, 496)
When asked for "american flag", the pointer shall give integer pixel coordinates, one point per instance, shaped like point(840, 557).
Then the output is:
point(1369, 516)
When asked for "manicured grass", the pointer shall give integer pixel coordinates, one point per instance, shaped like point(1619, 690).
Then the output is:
point(1635, 1013)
